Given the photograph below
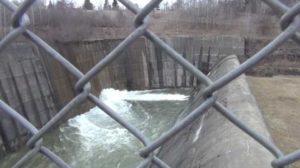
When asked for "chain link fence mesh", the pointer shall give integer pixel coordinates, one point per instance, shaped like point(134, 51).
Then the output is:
point(290, 24)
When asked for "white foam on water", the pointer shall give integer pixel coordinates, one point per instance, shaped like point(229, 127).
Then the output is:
point(97, 128)
point(94, 135)
point(145, 95)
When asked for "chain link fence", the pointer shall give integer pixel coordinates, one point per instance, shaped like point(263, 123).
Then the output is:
point(290, 23)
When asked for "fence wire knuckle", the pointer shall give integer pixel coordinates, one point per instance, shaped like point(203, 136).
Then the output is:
point(289, 22)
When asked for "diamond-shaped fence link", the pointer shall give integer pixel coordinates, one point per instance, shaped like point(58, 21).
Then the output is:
point(290, 23)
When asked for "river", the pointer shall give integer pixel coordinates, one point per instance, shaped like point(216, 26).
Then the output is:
point(94, 140)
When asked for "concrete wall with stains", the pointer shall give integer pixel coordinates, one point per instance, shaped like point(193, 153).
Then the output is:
point(212, 140)
point(37, 86)
point(26, 87)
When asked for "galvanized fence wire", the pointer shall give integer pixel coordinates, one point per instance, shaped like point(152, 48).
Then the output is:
point(290, 23)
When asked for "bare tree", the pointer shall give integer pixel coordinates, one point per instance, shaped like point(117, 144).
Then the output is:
point(115, 5)
point(88, 5)
point(106, 5)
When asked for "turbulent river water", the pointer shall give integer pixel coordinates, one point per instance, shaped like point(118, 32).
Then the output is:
point(94, 140)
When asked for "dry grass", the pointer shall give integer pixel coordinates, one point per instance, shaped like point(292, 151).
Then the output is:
point(279, 99)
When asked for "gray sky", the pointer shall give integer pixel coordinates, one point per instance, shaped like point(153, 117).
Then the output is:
point(141, 3)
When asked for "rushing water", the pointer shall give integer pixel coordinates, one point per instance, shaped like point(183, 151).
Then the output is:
point(94, 140)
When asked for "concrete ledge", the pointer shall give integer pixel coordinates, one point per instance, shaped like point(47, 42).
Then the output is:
point(214, 142)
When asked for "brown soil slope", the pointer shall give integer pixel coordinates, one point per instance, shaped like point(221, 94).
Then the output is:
point(279, 99)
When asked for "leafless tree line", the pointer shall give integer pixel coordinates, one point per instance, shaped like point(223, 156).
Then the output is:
point(63, 21)
point(242, 17)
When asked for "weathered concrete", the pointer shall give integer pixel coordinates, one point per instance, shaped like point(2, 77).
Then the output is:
point(36, 85)
point(25, 86)
point(284, 60)
point(145, 65)
point(141, 66)
point(203, 52)
point(213, 141)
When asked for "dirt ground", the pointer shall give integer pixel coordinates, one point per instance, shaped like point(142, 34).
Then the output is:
point(279, 99)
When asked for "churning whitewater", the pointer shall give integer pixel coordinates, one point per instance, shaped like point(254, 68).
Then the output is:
point(93, 139)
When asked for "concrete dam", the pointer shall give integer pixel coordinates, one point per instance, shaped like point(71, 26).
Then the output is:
point(37, 86)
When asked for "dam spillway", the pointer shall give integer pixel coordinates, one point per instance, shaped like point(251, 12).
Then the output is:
point(37, 86)
point(93, 139)
point(162, 71)
point(213, 140)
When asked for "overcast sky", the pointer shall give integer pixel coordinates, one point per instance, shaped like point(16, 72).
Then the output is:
point(96, 3)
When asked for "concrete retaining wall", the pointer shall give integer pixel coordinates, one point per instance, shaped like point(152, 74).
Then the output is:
point(144, 65)
point(203, 52)
point(37, 86)
point(25, 86)
point(213, 141)
point(141, 66)
point(284, 60)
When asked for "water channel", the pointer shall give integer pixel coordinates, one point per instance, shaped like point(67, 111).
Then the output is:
point(94, 140)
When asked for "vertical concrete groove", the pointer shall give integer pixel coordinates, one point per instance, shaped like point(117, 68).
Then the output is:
point(48, 80)
point(39, 84)
point(158, 54)
point(94, 60)
point(192, 76)
point(19, 97)
point(200, 62)
point(32, 98)
point(3, 131)
point(183, 82)
point(148, 61)
point(208, 61)
point(175, 74)
point(17, 128)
